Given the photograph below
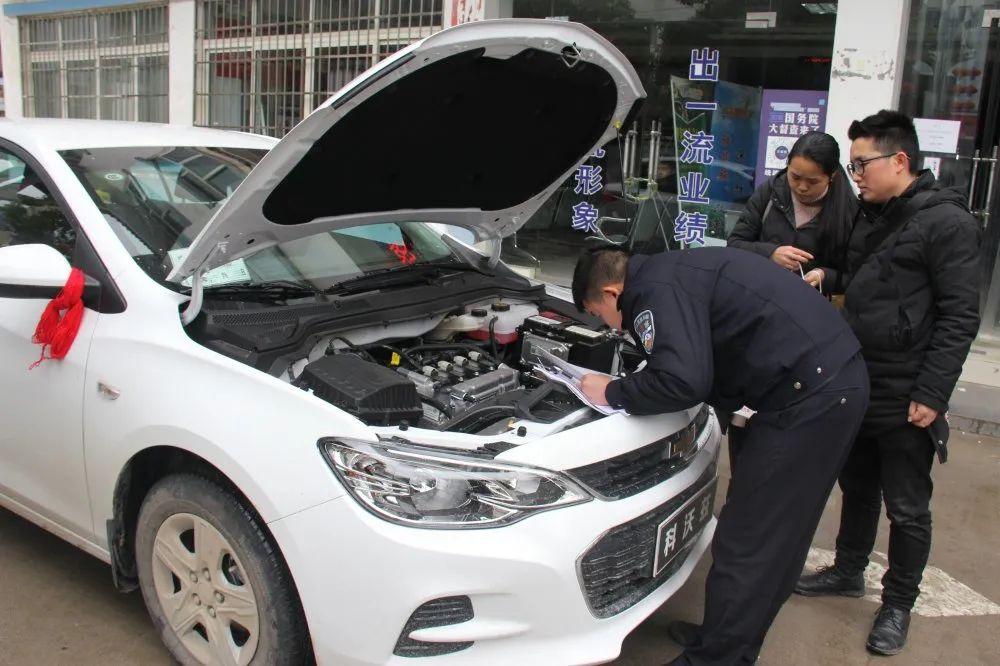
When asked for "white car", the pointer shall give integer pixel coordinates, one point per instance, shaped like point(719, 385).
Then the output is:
point(306, 421)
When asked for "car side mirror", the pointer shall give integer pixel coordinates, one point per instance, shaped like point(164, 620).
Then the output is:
point(39, 271)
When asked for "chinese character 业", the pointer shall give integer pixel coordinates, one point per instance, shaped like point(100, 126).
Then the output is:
point(588, 180)
point(704, 65)
point(694, 188)
point(584, 217)
point(697, 148)
point(690, 228)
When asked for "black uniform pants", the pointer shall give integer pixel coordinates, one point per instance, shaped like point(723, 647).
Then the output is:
point(786, 467)
point(896, 466)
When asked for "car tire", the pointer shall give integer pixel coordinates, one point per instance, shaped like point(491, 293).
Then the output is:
point(215, 585)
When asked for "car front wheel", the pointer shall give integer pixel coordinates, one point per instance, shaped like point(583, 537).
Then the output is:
point(216, 588)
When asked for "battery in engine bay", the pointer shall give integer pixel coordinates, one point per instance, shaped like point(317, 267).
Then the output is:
point(596, 350)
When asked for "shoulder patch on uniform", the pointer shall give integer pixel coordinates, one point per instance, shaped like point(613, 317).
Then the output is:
point(644, 328)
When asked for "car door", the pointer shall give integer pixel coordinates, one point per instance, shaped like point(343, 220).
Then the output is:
point(41, 435)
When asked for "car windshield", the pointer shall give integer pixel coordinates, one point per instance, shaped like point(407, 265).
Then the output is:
point(157, 200)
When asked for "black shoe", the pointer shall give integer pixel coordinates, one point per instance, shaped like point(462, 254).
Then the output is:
point(829, 581)
point(683, 633)
point(888, 634)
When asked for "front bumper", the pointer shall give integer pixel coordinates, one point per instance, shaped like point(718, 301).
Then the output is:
point(361, 578)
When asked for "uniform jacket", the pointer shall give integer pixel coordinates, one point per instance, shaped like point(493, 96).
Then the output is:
point(912, 298)
point(769, 222)
point(726, 327)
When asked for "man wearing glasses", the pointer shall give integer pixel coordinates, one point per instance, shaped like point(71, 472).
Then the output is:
point(912, 300)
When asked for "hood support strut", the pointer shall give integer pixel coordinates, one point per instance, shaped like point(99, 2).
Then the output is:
point(197, 297)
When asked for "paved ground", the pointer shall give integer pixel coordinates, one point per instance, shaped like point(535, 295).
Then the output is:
point(57, 605)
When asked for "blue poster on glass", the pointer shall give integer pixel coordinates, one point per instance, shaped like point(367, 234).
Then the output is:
point(785, 116)
point(734, 126)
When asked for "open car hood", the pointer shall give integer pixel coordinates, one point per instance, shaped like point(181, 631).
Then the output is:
point(474, 126)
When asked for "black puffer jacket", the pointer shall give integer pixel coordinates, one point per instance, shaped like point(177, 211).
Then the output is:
point(762, 230)
point(912, 298)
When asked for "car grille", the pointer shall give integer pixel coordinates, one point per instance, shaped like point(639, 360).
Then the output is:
point(617, 571)
point(633, 472)
point(436, 613)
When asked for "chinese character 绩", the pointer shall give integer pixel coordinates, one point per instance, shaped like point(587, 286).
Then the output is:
point(694, 187)
point(697, 148)
point(588, 180)
point(704, 65)
point(670, 541)
point(584, 217)
point(690, 228)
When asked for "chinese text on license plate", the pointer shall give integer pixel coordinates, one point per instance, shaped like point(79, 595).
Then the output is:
point(682, 527)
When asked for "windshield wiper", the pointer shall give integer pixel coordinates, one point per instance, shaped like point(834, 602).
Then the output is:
point(274, 289)
point(400, 275)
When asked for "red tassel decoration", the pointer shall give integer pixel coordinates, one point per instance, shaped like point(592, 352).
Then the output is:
point(60, 320)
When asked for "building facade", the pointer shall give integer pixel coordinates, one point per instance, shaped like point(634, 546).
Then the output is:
point(744, 77)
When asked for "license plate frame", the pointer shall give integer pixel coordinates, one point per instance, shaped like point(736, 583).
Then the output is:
point(701, 509)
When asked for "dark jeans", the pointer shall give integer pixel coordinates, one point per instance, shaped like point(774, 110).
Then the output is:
point(894, 466)
point(785, 469)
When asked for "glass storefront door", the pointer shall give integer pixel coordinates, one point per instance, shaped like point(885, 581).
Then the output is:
point(952, 74)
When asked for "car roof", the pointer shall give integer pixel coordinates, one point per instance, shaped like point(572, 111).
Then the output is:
point(61, 134)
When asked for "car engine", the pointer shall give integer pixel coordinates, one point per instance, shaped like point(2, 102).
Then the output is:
point(472, 372)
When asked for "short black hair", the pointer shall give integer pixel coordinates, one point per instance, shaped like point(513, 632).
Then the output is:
point(596, 268)
point(892, 131)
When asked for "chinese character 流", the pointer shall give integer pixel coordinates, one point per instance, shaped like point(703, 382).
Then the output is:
point(697, 148)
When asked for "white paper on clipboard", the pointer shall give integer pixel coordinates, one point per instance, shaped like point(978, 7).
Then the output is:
point(569, 375)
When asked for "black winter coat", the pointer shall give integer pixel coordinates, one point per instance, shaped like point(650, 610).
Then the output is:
point(912, 298)
point(763, 234)
point(729, 328)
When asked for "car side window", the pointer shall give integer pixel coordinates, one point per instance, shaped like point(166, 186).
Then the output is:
point(28, 212)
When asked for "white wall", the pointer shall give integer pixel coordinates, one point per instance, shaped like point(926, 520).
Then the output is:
point(868, 54)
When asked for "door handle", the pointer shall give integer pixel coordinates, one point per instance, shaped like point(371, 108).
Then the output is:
point(985, 212)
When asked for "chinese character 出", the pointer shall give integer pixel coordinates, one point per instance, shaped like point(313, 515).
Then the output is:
point(694, 187)
point(690, 228)
point(584, 217)
point(697, 148)
point(588, 180)
point(704, 65)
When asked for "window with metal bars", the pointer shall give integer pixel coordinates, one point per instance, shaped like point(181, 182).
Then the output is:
point(263, 65)
point(111, 65)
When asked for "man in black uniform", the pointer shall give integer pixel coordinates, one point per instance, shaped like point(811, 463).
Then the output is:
point(730, 328)
point(913, 302)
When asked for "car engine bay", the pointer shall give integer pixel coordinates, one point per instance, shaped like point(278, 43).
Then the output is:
point(469, 370)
